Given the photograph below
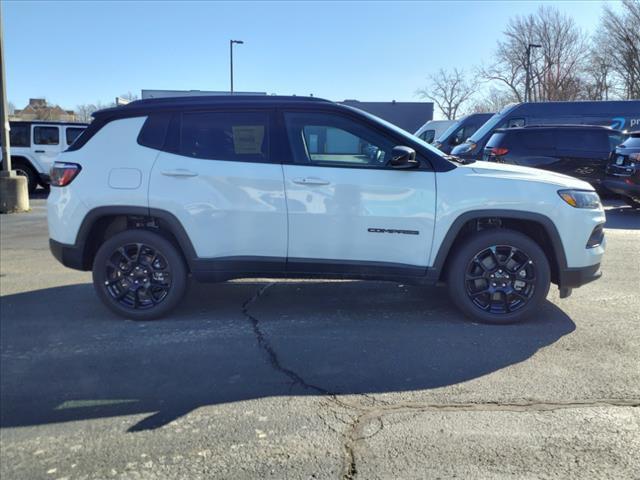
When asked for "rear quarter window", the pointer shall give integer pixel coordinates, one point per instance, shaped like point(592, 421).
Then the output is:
point(537, 140)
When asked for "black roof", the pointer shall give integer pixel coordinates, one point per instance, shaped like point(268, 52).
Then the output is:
point(139, 107)
point(556, 127)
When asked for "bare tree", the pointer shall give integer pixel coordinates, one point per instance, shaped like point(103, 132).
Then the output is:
point(11, 108)
point(493, 101)
point(449, 90)
point(621, 42)
point(555, 68)
point(85, 110)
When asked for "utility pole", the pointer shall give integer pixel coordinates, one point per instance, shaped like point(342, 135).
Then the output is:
point(14, 195)
point(231, 42)
point(527, 81)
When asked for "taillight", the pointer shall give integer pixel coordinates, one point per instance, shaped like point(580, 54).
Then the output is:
point(63, 173)
point(499, 151)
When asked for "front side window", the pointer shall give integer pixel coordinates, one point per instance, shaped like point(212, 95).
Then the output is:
point(46, 135)
point(72, 133)
point(234, 136)
point(326, 139)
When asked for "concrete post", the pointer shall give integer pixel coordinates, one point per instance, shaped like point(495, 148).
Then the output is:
point(14, 193)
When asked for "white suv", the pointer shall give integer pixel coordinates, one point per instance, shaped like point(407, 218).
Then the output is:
point(35, 144)
point(228, 187)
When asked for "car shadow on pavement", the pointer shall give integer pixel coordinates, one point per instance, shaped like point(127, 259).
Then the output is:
point(64, 357)
point(625, 218)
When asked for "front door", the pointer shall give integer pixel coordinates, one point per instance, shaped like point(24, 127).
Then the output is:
point(349, 211)
point(46, 144)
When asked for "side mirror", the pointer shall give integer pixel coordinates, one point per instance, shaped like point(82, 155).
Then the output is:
point(403, 157)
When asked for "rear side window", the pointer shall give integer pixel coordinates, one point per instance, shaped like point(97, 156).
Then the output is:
point(496, 140)
point(18, 135)
point(46, 135)
point(583, 140)
point(632, 142)
point(154, 130)
point(72, 133)
point(428, 135)
point(235, 136)
point(536, 139)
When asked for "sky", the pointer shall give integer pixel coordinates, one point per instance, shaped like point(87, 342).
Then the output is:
point(87, 51)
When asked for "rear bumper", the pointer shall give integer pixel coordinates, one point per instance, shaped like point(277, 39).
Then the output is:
point(576, 277)
point(619, 186)
point(68, 255)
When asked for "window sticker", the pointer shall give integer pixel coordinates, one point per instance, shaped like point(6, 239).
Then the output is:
point(247, 139)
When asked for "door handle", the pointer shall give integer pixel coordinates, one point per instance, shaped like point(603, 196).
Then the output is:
point(179, 172)
point(310, 181)
point(39, 151)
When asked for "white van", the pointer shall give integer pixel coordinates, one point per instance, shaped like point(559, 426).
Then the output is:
point(433, 129)
point(36, 144)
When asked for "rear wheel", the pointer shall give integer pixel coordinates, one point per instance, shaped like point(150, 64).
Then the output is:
point(139, 274)
point(499, 276)
point(24, 169)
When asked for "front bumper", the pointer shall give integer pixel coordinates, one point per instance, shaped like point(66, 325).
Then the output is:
point(619, 186)
point(70, 256)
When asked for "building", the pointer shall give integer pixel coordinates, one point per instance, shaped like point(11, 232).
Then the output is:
point(409, 116)
point(38, 109)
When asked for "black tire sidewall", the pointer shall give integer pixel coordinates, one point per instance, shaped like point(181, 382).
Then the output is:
point(477, 243)
point(170, 253)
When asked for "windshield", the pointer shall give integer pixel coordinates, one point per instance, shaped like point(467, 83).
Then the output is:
point(490, 124)
point(399, 131)
point(452, 128)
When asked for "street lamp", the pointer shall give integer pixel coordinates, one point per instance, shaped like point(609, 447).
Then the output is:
point(231, 42)
point(527, 87)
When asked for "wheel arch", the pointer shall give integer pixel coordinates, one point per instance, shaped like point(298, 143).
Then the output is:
point(103, 222)
point(538, 227)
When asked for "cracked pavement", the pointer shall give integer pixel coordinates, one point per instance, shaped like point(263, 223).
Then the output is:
point(314, 379)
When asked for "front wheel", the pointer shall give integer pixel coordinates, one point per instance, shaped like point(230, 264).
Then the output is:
point(499, 276)
point(139, 274)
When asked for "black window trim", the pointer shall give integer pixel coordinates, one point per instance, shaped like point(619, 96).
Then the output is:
point(57, 127)
point(425, 164)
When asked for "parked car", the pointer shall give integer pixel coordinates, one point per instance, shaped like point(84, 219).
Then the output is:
point(581, 151)
point(460, 130)
point(35, 144)
point(433, 129)
point(229, 187)
point(623, 171)
point(620, 115)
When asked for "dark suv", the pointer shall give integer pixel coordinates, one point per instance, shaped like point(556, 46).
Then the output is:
point(581, 151)
point(623, 171)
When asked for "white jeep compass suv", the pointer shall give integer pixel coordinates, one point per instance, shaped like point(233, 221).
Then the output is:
point(229, 187)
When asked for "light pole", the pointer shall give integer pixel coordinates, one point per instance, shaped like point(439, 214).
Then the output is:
point(14, 196)
point(527, 81)
point(231, 42)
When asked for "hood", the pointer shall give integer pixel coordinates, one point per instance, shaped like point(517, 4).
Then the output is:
point(515, 172)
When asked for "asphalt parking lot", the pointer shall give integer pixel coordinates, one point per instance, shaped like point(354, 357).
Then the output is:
point(314, 379)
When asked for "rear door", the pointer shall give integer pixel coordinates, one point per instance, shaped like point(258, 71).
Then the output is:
point(348, 210)
point(217, 176)
point(583, 153)
point(46, 144)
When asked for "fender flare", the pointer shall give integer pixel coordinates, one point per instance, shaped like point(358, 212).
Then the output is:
point(456, 226)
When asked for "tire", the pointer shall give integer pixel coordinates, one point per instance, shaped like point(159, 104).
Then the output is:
point(139, 274)
point(631, 202)
point(26, 170)
point(518, 286)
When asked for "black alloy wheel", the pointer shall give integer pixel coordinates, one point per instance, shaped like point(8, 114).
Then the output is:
point(139, 274)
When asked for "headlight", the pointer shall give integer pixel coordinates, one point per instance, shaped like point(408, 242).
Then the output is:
point(580, 198)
